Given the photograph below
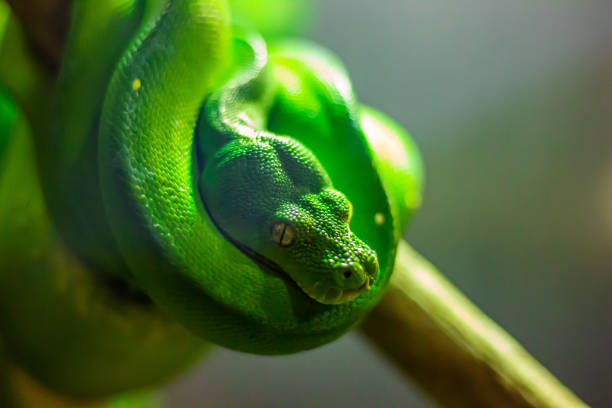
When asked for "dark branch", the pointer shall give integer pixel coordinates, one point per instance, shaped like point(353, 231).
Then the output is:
point(46, 24)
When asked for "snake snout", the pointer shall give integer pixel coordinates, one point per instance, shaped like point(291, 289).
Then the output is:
point(351, 276)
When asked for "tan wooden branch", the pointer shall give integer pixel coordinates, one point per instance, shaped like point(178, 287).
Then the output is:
point(452, 349)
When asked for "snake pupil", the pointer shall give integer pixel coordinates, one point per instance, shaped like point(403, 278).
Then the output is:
point(283, 234)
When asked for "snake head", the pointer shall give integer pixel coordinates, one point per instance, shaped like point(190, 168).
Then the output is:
point(310, 239)
point(272, 198)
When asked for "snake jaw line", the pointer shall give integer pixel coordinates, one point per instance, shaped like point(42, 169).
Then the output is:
point(335, 295)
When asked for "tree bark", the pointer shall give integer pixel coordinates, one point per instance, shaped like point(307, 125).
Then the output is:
point(451, 349)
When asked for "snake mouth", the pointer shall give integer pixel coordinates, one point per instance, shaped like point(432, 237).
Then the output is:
point(335, 295)
point(317, 292)
point(321, 292)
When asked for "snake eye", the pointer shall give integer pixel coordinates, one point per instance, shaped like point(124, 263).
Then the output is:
point(283, 234)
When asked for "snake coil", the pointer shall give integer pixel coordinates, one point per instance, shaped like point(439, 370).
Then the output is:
point(145, 184)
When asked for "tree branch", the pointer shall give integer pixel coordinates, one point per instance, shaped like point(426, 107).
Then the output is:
point(451, 349)
point(46, 24)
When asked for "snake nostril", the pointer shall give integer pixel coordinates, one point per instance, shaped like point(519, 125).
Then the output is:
point(348, 274)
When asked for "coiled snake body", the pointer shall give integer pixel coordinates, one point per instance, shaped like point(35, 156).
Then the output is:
point(192, 173)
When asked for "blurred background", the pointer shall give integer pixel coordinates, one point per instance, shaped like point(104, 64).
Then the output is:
point(511, 104)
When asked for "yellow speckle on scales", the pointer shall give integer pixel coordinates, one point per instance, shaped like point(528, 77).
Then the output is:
point(136, 84)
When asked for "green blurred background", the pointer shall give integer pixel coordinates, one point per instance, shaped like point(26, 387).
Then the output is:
point(511, 104)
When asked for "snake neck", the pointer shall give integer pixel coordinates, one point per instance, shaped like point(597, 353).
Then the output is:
point(238, 109)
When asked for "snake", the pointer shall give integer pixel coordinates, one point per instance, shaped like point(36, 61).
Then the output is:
point(185, 178)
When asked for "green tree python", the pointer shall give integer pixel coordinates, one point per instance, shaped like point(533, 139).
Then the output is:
point(185, 179)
